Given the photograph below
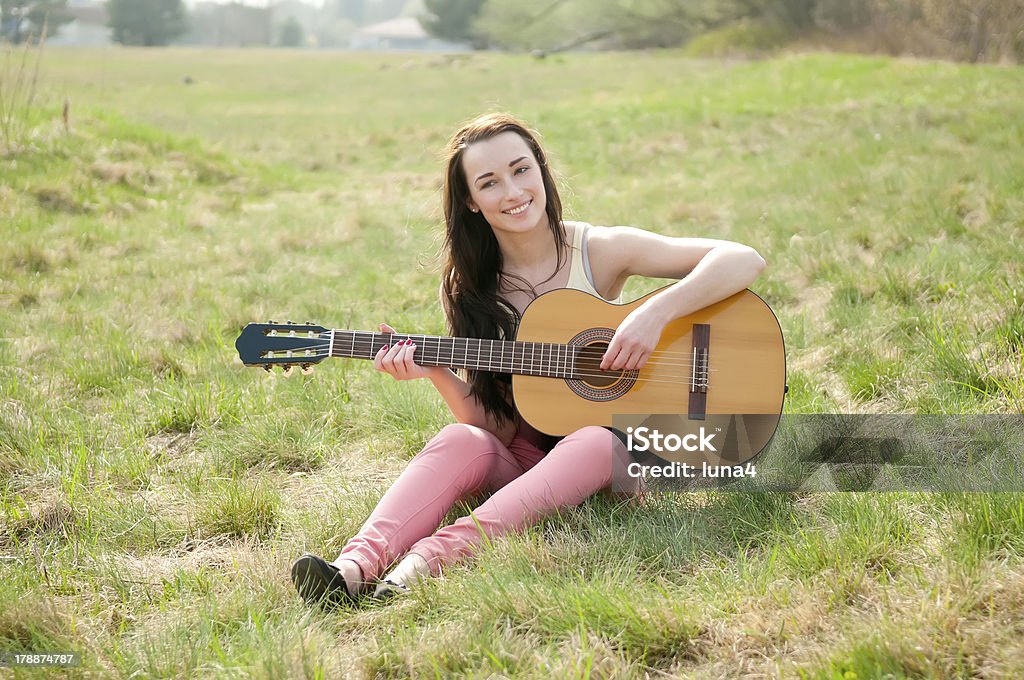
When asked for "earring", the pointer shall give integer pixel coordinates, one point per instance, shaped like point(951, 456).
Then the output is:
point(476, 210)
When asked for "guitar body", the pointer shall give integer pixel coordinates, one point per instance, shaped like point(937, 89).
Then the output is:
point(745, 377)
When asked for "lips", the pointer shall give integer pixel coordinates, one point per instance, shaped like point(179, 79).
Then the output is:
point(519, 209)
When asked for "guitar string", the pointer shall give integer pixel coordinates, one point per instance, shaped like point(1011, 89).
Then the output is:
point(437, 338)
point(682, 380)
point(479, 356)
point(675, 380)
point(582, 352)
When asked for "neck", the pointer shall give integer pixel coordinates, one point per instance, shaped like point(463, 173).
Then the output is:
point(500, 356)
point(529, 254)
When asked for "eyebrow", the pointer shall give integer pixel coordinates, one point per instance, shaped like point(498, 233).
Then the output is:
point(488, 174)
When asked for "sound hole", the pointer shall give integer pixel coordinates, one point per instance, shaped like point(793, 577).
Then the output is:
point(588, 363)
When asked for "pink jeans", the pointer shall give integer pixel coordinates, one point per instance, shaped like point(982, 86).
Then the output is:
point(462, 459)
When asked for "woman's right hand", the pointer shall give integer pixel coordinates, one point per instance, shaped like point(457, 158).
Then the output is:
point(398, 360)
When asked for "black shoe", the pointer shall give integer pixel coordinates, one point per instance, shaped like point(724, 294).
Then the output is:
point(319, 581)
point(387, 589)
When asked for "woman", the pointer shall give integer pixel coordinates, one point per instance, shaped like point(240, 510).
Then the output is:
point(505, 244)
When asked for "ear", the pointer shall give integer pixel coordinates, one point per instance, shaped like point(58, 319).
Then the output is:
point(472, 206)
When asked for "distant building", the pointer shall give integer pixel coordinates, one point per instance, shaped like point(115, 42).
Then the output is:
point(87, 28)
point(401, 34)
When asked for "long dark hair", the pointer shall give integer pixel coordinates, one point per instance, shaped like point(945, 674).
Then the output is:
point(472, 259)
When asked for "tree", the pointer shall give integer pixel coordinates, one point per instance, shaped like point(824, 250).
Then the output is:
point(452, 19)
point(22, 20)
point(291, 34)
point(978, 30)
point(147, 22)
point(353, 10)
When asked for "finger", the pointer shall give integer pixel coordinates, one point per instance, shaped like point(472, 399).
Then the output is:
point(400, 361)
point(626, 361)
point(409, 359)
point(378, 358)
point(620, 361)
point(403, 359)
point(641, 360)
point(388, 360)
point(384, 328)
point(610, 355)
point(407, 353)
point(633, 361)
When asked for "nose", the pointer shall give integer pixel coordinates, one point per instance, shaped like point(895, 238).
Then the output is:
point(512, 191)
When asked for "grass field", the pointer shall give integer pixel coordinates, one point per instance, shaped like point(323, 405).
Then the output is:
point(153, 491)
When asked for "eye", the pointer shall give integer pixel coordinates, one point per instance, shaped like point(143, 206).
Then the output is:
point(486, 185)
point(521, 169)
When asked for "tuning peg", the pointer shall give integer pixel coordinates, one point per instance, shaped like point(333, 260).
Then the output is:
point(268, 368)
point(307, 369)
point(290, 322)
point(271, 321)
point(287, 370)
point(309, 323)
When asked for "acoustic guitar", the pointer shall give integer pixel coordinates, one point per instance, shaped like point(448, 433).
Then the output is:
point(711, 391)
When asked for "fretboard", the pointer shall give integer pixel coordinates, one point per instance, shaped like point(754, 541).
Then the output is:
point(499, 356)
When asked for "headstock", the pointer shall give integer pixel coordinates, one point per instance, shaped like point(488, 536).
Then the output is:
point(283, 344)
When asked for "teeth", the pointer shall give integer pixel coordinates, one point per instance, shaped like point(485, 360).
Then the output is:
point(518, 210)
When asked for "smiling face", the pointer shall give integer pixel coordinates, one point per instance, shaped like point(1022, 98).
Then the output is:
point(505, 183)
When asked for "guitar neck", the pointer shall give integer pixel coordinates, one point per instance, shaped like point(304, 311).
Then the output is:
point(498, 356)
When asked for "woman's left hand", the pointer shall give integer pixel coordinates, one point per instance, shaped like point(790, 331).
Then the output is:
point(633, 342)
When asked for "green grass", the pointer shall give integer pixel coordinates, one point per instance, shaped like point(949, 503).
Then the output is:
point(153, 491)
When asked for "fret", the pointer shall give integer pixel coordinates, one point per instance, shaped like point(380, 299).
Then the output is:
point(542, 359)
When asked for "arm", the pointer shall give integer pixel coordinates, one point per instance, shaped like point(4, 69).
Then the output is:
point(455, 392)
point(709, 270)
point(399, 362)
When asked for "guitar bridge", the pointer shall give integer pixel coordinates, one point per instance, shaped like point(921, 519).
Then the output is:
point(699, 371)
